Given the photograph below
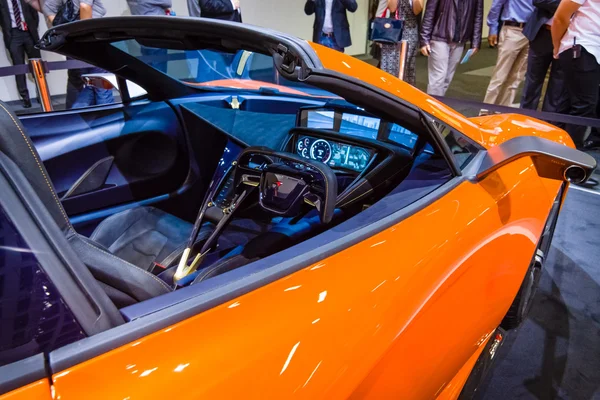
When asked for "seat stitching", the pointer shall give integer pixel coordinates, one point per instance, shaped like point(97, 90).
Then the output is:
point(360, 185)
point(39, 165)
point(163, 283)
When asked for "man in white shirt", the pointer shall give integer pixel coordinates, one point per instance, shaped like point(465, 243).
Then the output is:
point(576, 40)
point(194, 8)
point(331, 26)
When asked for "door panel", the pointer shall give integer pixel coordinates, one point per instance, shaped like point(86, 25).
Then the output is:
point(102, 157)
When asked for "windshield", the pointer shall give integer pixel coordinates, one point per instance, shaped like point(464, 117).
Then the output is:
point(219, 69)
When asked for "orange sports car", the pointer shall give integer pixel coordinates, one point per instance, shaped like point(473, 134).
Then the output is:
point(244, 214)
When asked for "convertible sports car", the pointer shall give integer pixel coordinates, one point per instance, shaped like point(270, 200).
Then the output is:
point(266, 218)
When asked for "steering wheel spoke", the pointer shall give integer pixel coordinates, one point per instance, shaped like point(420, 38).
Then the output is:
point(286, 182)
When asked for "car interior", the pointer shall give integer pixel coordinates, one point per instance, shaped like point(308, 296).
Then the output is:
point(156, 197)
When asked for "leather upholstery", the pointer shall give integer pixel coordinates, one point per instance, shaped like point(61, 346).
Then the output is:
point(140, 236)
point(125, 279)
point(145, 235)
point(107, 268)
point(16, 144)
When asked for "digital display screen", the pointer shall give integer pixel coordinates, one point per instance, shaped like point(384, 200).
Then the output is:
point(359, 125)
point(334, 154)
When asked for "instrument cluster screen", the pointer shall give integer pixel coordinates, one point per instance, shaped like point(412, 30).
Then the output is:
point(334, 154)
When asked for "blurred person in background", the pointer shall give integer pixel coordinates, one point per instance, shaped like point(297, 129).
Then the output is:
point(447, 25)
point(390, 53)
point(541, 57)
point(331, 26)
point(576, 42)
point(513, 46)
point(228, 10)
point(20, 22)
point(194, 9)
point(150, 7)
point(377, 9)
point(78, 94)
point(154, 57)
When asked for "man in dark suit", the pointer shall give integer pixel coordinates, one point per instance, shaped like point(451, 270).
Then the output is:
point(19, 23)
point(228, 10)
point(540, 58)
point(331, 26)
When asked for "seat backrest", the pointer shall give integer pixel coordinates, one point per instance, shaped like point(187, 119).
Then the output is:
point(16, 144)
point(78, 288)
point(121, 281)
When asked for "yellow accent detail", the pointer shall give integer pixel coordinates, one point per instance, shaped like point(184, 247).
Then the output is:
point(182, 267)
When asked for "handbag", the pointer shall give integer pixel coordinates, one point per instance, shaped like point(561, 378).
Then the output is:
point(387, 30)
point(66, 13)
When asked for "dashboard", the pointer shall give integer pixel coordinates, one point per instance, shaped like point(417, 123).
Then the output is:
point(332, 153)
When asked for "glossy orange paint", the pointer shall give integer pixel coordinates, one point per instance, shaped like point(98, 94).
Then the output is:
point(401, 314)
point(347, 65)
point(39, 390)
point(488, 131)
point(455, 386)
point(398, 314)
point(496, 129)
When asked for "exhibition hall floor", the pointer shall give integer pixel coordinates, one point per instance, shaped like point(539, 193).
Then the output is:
point(555, 354)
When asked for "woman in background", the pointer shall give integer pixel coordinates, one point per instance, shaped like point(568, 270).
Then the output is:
point(390, 53)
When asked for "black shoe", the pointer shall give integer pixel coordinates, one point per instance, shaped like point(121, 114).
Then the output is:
point(26, 103)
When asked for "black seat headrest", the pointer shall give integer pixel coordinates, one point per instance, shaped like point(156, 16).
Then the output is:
point(17, 145)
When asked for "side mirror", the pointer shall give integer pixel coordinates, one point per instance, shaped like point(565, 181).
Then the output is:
point(109, 82)
point(552, 160)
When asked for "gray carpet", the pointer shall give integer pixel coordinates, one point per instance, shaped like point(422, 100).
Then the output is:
point(555, 354)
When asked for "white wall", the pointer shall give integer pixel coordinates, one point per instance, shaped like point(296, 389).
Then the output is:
point(282, 15)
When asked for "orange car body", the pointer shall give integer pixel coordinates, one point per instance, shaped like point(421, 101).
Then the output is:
point(402, 314)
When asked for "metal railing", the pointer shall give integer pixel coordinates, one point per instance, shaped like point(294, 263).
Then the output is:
point(403, 53)
point(39, 68)
point(41, 84)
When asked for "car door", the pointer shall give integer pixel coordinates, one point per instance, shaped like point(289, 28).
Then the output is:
point(103, 156)
point(395, 309)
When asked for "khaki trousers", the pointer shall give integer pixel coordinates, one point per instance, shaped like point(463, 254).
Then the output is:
point(510, 68)
point(441, 66)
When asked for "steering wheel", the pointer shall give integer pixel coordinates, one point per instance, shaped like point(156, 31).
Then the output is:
point(287, 183)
